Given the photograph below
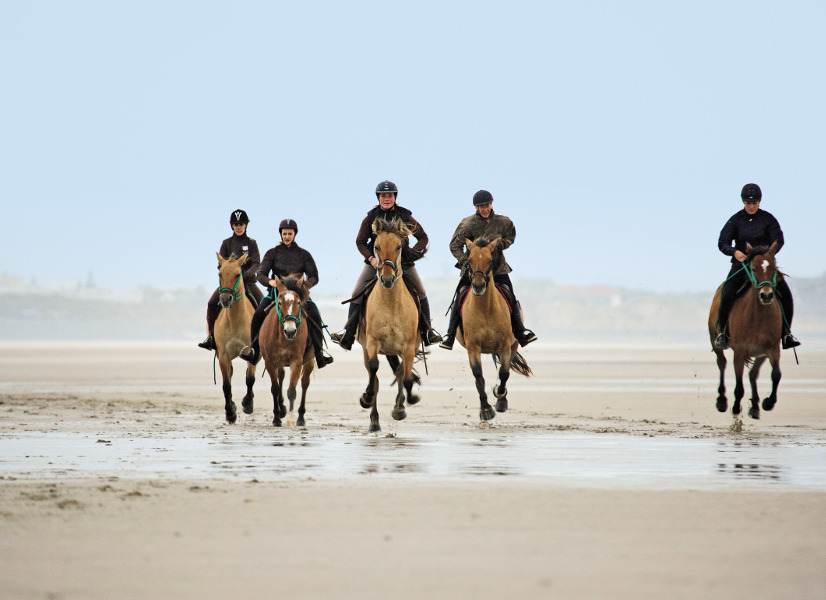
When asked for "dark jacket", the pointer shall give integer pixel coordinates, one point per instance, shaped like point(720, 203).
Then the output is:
point(475, 227)
point(759, 229)
point(238, 245)
point(286, 260)
point(365, 239)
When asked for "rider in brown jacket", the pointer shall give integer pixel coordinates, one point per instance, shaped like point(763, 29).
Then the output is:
point(484, 223)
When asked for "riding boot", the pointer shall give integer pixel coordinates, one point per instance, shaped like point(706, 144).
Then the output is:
point(252, 353)
point(346, 339)
point(213, 309)
point(429, 336)
point(453, 324)
point(523, 336)
point(721, 342)
point(317, 335)
point(784, 296)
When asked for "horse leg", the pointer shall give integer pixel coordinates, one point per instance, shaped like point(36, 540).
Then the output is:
point(739, 390)
point(486, 412)
point(754, 411)
point(277, 398)
point(404, 379)
point(371, 391)
point(501, 392)
point(722, 401)
point(373, 367)
point(295, 373)
point(305, 383)
point(768, 403)
point(247, 402)
point(229, 405)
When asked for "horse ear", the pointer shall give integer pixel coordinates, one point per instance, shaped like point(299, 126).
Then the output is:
point(748, 248)
point(279, 285)
point(494, 243)
point(772, 250)
point(468, 243)
point(243, 258)
point(221, 259)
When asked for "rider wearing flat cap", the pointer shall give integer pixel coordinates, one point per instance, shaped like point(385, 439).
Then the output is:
point(237, 245)
point(287, 258)
point(758, 228)
point(484, 223)
point(388, 209)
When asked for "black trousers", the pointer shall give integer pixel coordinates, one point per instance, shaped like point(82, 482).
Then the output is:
point(736, 279)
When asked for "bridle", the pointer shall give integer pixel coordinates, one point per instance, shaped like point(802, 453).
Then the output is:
point(234, 289)
point(282, 319)
point(388, 263)
point(759, 284)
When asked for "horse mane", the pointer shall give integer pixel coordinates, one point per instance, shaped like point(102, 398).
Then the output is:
point(402, 229)
point(291, 283)
point(757, 251)
point(496, 256)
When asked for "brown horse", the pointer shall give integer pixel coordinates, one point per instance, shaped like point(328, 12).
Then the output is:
point(486, 326)
point(755, 328)
point(232, 330)
point(283, 341)
point(389, 325)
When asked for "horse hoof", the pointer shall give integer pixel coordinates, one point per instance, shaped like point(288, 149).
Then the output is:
point(300, 423)
point(722, 404)
point(413, 399)
point(399, 414)
point(276, 422)
point(497, 394)
point(502, 405)
point(364, 403)
point(247, 406)
point(735, 410)
point(374, 427)
point(768, 403)
point(283, 412)
point(232, 414)
point(754, 412)
point(486, 414)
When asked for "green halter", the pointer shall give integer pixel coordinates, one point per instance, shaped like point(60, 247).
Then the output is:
point(234, 289)
point(282, 319)
point(758, 284)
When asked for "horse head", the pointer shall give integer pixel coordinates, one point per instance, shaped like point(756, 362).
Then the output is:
point(390, 240)
point(291, 292)
point(230, 278)
point(481, 262)
point(762, 271)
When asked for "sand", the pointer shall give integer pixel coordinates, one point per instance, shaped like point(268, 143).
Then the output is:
point(121, 479)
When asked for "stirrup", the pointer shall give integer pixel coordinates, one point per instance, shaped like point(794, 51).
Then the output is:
point(527, 337)
point(341, 340)
point(208, 343)
point(322, 360)
point(789, 341)
point(447, 342)
point(431, 337)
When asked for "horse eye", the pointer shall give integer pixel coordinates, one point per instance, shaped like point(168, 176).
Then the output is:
point(378, 249)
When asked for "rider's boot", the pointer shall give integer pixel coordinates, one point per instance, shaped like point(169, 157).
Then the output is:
point(430, 336)
point(452, 326)
point(789, 341)
point(346, 339)
point(522, 335)
point(252, 353)
point(208, 343)
point(721, 341)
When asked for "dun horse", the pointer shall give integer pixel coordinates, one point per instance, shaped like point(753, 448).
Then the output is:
point(390, 322)
point(755, 328)
point(232, 330)
point(486, 326)
point(283, 341)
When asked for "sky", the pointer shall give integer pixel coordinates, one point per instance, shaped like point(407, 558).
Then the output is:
point(616, 135)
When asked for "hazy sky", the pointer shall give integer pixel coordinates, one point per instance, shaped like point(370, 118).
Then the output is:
point(616, 135)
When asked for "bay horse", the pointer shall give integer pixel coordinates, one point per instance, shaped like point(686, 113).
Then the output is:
point(486, 326)
point(283, 342)
point(232, 330)
point(390, 323)
point(755, 329)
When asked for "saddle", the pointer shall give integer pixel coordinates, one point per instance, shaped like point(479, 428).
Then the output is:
point(503, 289)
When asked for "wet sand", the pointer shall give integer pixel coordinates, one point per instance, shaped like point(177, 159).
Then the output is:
point(612, 475)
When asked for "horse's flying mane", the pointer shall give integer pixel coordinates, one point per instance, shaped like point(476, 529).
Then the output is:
point(291, 282)
point(383, 225)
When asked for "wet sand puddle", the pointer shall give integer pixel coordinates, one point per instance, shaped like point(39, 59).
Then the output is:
point(591, 460)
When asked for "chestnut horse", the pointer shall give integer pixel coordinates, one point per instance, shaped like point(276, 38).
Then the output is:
point(755, 328)
point(486, 326)
point(283, 341)
point(232, 330)
point(389, 325)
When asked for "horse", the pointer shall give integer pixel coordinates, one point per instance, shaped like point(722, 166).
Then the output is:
point(232, 330)
point(486, 326)
point(283, 342)
point(390, 321)
point(755, 329)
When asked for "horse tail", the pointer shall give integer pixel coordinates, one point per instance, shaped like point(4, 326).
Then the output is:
point(520, 365)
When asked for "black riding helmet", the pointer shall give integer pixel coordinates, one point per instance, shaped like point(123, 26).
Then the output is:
point(288, 224)
point(482, 197)
point(387, 186)
point(751, 192)
point(238, 217)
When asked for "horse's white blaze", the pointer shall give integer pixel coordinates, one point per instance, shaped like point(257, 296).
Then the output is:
point(765, 265)
point(289, 297)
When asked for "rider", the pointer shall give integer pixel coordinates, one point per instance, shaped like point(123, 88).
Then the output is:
point(236, 245)
point(758, 228)
point(484, 224)
point(386, 192)
point(287, 258)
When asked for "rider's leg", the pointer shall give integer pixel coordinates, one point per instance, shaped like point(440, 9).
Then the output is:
point(213, 309)
point(523, 336)
point(728, 294)
point(415, 282)
point(255, 292)
point(453, 323)
point(784, 295)
point(346, 339)
point(316, 334)
point(252, 353)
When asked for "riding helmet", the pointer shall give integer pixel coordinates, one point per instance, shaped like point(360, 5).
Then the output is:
point(387, 186)
point(751, 192)
point(238, 217)
point(482, 197)
point(287, 224)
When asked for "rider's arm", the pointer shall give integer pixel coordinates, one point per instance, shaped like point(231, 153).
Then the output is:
point(264, 269)
point(775, 233)
point(253, 263)
point(310, 271)
point(728, 234)
point(508, 234)
point(363, 239)
point(419, 234)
